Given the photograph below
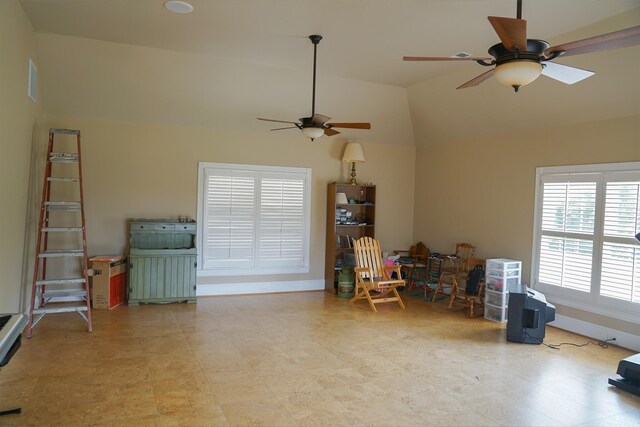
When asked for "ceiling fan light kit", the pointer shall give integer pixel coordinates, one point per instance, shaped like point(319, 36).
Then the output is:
point(519, 61)
point(316, 125)
point(312, 132)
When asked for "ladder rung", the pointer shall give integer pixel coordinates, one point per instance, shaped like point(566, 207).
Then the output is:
point(61, 179)
point(72, 281)
point(63, 206)
point(58, 293)
point(61, 309)
point(64, 131)
point(61, 253)
point(60, 229)
point(63, 157)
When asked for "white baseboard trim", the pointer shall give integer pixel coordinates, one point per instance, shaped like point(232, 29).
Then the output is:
point(259, 287)
point(597, 332)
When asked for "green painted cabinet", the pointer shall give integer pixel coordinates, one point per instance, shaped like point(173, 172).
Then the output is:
point(162, 261)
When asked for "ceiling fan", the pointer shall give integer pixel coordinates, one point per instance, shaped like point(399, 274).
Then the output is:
point(317, 125)
point(519, 61)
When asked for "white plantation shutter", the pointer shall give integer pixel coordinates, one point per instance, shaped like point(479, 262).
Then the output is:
point(567, 233)
point(585, 251)
point(254, 219)
point(230, 216)
point(620, 276)
point(281, 219)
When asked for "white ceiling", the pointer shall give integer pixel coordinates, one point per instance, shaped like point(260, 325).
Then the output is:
point(363, 39)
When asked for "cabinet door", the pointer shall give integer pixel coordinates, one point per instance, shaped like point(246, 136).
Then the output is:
point(162, 277)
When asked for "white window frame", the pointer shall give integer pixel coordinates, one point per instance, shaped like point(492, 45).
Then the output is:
point(591, 301)
point(255, 268)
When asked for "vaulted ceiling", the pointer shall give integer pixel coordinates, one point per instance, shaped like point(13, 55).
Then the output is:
point(230, 61)
point(363, 39)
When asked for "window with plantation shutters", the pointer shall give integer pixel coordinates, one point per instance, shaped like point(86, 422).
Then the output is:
point(253, 219)
point(585, 253)
point(620, 278)
point(566, 246)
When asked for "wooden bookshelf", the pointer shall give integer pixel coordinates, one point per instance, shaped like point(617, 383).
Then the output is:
point(346, 222)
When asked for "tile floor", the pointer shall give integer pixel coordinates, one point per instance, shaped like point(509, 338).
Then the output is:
point(305, 359)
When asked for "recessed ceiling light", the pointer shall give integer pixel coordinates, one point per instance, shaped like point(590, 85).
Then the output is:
point(177, 6)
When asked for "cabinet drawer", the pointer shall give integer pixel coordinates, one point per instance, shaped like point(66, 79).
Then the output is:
point(138, 226)
point(160, 227)
point(185, 227)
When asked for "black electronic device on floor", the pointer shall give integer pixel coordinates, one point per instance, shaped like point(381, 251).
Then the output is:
point(11, 326)
point(629, 370)
point(527, 315)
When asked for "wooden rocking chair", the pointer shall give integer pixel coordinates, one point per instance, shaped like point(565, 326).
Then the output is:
point(373, 278)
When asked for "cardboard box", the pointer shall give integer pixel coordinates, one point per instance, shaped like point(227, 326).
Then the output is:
point(109, 281)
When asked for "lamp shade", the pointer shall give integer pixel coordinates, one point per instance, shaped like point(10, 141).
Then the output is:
point(312, 132)
point(353, 153)
point(517, 73)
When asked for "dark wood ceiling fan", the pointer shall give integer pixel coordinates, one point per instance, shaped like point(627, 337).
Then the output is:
point(519, 61)
point(317, 125)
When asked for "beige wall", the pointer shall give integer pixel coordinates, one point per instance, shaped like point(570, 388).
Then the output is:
point(18, 118)
point(481, 190)
point(96, 79)
point(150, 171)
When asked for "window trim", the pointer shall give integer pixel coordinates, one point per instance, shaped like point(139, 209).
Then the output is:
point(592, 301)
point(244, 271)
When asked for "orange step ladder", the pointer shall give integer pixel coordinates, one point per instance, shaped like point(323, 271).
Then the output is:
point(61, 294)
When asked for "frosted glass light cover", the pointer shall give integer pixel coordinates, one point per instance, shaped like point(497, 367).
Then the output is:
point(517, 73)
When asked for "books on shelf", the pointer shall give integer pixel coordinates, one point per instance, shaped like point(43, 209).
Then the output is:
point(344, 241)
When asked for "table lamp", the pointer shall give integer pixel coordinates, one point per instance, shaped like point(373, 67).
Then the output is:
point(353, 154)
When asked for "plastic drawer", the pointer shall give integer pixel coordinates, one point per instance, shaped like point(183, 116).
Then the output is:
point(497, 299)
point(495, 314)
point(498, 284)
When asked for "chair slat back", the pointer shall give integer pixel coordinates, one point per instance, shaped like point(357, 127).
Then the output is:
point(434, 268)
point(464, 251)
point(367, 251)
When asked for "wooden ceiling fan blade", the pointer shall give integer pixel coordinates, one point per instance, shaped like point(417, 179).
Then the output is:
point(330, 132)
point(350, 125)
point(444, 58)
point(477, 80)
point(564, 73)
point(288, 127)
point(614, 40)
point(277, 121)
point(512, 32)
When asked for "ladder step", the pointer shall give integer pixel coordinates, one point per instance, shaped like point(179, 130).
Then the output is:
point(61, 253)
point(57, 293)
point(61, 309)
point(61, 179)
point(60, 229)
point(64, 131)
point(70, 281)
point(63, 206)
point(63, 157)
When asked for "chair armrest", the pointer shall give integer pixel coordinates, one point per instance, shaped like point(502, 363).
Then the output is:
point(395, 268)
